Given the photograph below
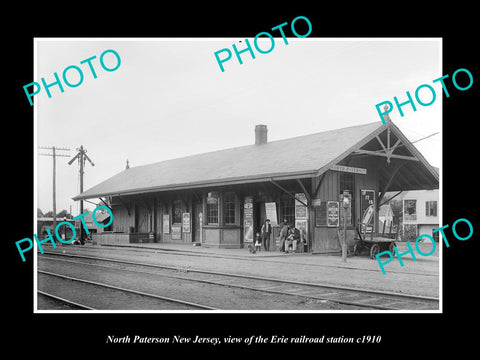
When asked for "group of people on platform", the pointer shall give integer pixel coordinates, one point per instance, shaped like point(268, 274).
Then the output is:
point(291, 239)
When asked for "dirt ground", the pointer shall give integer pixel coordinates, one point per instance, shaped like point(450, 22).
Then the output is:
point(216, 296)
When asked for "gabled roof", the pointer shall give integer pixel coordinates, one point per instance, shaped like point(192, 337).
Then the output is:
point(297, 157)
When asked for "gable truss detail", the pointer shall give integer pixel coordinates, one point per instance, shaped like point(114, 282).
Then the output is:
point(387, 150)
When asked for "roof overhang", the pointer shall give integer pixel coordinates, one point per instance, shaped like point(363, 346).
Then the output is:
point(203, 184)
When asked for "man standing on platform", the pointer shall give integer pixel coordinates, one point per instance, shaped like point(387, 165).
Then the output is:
point(283, 235)
point(265, 234)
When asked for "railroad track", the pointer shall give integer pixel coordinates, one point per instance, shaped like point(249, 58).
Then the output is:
point(64, 302)
point(114, 292)
point(367, 299)
point(247, 257)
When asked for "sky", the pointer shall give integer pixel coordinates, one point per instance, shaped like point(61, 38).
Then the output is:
point(169, 99)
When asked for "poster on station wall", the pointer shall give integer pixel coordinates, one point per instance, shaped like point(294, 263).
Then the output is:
point(248, 220)
point(166, 224)
point(176, 232)
point(200, 223)
point(333, 213)
point(367, 207)
point(300, 209)
point(271, 212)
point(316, 202)
point(302, 226)
point(186, 222)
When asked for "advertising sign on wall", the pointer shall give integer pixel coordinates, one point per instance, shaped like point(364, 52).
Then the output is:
point(186, 222)
point(367, 205)
point(300, 209)
point(248, 219)
point(176, 232)
point(333, 213)
point(302, 226)
point(271, 213)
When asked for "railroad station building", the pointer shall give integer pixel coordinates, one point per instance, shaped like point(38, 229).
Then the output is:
point(221, 198)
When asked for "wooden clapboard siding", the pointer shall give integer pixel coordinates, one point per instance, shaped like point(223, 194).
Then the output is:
point(325, 239)
point(122, 221)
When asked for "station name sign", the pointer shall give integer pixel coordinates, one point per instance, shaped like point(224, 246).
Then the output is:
point(349, 169)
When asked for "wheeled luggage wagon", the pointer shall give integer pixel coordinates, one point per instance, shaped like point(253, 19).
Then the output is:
point(376, 244)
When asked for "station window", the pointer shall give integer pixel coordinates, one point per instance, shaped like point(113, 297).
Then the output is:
point(177, 212)
point(431, 208)
point(212, 208)
point(287, 209)
point(229, 208)
point(410, 209)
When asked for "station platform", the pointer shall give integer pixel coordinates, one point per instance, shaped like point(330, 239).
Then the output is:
point(198, 248)
point(424, 265)
point(194, 248)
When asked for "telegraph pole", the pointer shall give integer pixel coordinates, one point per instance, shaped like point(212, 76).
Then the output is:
point(81, 156)
point(54, 155)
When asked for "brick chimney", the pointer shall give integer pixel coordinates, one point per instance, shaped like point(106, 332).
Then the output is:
point(261, 134)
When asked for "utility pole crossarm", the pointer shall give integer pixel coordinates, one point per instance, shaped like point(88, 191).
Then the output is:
point(54, 154)
point(81, 156)
point(51, 147)
point(86, 157)
point(73, 159)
